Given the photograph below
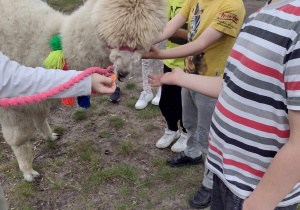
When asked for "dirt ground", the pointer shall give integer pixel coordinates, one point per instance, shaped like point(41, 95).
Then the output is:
point(105, 158)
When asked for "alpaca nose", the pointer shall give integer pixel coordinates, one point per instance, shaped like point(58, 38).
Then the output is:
point(121, 76)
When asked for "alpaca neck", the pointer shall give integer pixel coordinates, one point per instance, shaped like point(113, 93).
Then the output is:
point(81, 45)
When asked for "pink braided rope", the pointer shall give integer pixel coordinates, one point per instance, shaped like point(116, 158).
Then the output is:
point(6, 102)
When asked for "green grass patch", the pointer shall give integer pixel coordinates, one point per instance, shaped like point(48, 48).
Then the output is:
point(150, 127)
point(80, 114)
point(104, 134)
point(125, 190)
point(149, 112)
point(95, 163)
point(158, 161)
point(93, 106)
point(12, 165)
point(167, 174)
point(122, 206)
point(103, 100)
point(56, 184)
point(102, 112)
point(59, 129)
point(116, 122)
point(24, 190)
point(125, 172)
point(27, 207)
point(56, 163)
point(130, 85)
point(135, 133)
point(131, 103)
point(51, 145)
point(127, 147)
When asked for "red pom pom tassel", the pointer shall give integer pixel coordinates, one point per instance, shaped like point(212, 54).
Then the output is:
point(68, 101)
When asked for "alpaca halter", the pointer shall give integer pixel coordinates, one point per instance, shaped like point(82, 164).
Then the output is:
point(6, 102)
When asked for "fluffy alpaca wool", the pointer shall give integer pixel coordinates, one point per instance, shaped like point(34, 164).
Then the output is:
point(26, 28)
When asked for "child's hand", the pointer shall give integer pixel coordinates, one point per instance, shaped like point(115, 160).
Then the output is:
point(170, 78)
point(152, 54)
point(103, 85)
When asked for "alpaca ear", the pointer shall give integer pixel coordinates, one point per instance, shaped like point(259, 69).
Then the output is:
point(114, 54)
point(137, 55)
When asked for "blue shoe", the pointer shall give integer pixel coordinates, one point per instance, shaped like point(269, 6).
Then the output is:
point(116, 95)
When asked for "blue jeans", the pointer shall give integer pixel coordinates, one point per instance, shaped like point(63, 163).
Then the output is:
point(223, 199)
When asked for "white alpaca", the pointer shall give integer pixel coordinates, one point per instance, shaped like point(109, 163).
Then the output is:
point(94, 35)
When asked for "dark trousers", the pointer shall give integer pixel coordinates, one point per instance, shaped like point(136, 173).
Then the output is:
point(223, 199)
point(170, 104)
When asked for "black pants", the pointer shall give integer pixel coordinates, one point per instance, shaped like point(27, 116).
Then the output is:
point(170, 104)
point(223, 199)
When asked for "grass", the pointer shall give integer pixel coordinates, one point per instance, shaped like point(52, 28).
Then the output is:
point(59, 130)
point(102, 112)
point(103, 100)
point(158, 161)
point(130, 85)
point(150, 127)
point(80, 114)
point(23, 190)
point(116, 122)
point(151, 111)
point(135, 133)
point(51, 145)
point(125, 172)
point(131, 101)
point(104, 134)
point(126, 147)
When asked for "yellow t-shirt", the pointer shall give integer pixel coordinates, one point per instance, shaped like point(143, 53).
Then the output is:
point(226, 16)
point(173, 9)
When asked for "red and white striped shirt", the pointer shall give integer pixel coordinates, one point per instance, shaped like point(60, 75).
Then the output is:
point(261, 82)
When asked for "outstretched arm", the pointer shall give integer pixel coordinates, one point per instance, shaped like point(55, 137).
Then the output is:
point(206, 39)
point(283, 173)
point(172, 26)
point(205, 85)
point(17, 80)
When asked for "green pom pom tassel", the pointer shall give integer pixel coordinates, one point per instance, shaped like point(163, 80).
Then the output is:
point(55, 43)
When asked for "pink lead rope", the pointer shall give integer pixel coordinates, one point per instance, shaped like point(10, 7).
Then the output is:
point(6, 102)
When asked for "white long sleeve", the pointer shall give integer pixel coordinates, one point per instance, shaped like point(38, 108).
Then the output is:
point(17, 80)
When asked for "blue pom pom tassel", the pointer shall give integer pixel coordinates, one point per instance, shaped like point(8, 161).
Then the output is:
point(84, 101)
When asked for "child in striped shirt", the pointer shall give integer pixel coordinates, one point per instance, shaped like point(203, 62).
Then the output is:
point(254, 135)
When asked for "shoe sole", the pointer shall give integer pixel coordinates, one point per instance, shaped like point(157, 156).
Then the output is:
point(156, 104)
point(186, 164)
point(141, 107)
point(169, 144)
point(198, 206)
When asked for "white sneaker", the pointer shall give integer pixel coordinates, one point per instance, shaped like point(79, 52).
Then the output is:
point(167, 138)
point(180, 145)
point(156, 100)
point(144, 99)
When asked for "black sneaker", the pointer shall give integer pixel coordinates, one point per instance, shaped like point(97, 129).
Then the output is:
point(116, 95)
point(182, 160)
point(201, 199)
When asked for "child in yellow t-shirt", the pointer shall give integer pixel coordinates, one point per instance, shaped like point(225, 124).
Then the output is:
point(213, 26)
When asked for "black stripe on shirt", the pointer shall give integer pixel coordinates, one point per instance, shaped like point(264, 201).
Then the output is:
point(254, 96)
point(277, 39)
point(292, 55)
point(241, 145)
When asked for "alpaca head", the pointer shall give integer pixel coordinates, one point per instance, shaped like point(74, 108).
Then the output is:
point(123, 59)
point(129, 27)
